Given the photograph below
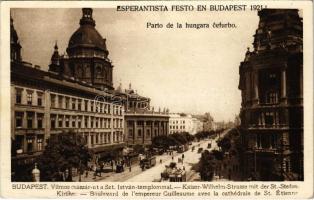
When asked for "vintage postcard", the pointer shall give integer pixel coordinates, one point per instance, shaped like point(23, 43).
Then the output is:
point(167, 99)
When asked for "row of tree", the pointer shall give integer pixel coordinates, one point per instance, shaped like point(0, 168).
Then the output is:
point(209, 160)
point(176, 139)
point(207, 134)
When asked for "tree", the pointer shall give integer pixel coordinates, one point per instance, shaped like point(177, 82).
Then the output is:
point(139, 149)
point(63, 152)
point(206, 166)
point(225, 144)
point(218, 155)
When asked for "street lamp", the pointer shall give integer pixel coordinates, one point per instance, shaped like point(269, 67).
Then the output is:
point(36, 174)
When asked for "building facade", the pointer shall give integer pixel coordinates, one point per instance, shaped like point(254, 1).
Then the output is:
point(64, 99)
point(179, 123)
point(143, 123)
point(271, 84)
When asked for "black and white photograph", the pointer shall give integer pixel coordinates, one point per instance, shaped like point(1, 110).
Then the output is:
point(138, 94)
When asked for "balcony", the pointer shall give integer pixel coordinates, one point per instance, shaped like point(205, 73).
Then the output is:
point(268, 127)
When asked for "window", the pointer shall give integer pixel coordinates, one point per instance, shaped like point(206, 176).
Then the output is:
point(40, 142)
point(19, 141)
point(109, 137)
point(29, 120)
point(67, 103)
point(79, 122)
point(140, 123)
point(39, 99)
point(18, 119)
point(79, 104)
point(53, 121)
point(92, 122)
point(29, 98)
point(39, 120)
point(130, 133)
point(86, 122)
point(92, 139)
point(272, 75)
point(86, 105)
point(73, 104)
point(29, 145)
point(97, 135)
point(156, 132)
point(147, 133)
point(18, 97)
point(52, 100)
point(139, 133)
point(86, 138)
point(60, 125)
point(73, 122)
point(60, 98)
point(269, 118)
point(101, 123)
point(67, 122)
point(272, 97)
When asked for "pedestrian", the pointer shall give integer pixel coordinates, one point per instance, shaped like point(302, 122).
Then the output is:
point(130, 168)
point(160, 161)
point(98, 170)
point(86, 173)
point(95, 171)
point(172, 158)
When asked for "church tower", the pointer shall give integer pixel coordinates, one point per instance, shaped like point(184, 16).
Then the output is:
point(55, 60)
point(14, 44)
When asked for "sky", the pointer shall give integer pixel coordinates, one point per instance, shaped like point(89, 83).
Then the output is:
point(186, 70)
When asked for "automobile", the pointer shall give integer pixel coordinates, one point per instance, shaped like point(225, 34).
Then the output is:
point(209, 145)
point(200, 150)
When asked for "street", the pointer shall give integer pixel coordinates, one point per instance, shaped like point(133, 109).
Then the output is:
point(153, 174)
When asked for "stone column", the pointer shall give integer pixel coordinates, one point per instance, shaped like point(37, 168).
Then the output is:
point(23, 96)
point(89, 140)
point(56, 101)
point(134, 131)
point(47, 121)
point(301, 82)
point(283, 85)
point(35, 125)
point(24, 120)
point(256, 95)
point(144, 132)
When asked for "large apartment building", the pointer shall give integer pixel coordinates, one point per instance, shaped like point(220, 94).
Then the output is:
point(271, 84)
point(74, 95)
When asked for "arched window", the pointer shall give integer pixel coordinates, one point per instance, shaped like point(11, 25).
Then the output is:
point(80, 72)
point(99, 72)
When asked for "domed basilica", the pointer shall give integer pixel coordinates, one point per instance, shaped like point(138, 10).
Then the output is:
point(87, 56)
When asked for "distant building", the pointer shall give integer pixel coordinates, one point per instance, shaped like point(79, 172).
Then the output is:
point(179, 123)
point(271, 84)
point(143, 123)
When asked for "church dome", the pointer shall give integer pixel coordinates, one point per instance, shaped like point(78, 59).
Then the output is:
point(86, 36)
